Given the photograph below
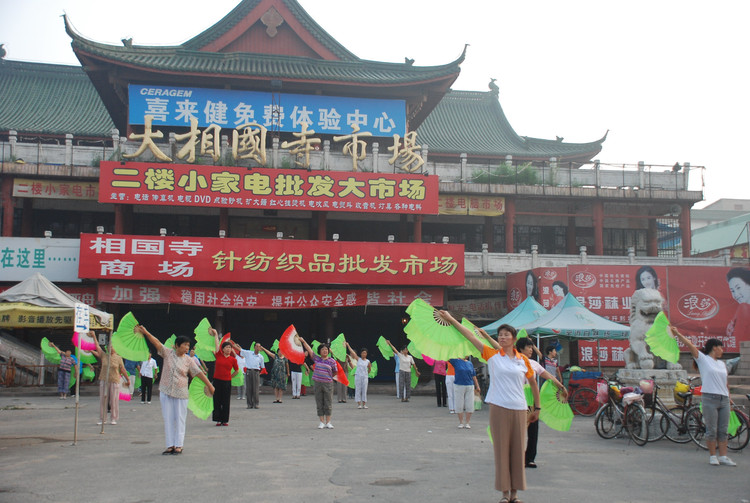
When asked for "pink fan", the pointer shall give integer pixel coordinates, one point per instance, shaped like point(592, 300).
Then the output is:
point(84, 341)
point(124, 389)
point(429, 361)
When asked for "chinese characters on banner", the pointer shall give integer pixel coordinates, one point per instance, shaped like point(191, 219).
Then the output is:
point(172, 258)
point(240, 298)
point(611, 353)
point(56, 259)
point(488, 206)
point(55, 189)
point(177, 106)
point(268, 189)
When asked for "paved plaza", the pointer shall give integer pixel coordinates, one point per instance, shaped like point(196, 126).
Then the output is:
point(391, 452)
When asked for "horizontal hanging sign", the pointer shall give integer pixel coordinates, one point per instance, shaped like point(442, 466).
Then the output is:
point(264, 188)
point(242, 298)
point(173, 258)
point(55, 189)
point(177, 106)
point(56, 259)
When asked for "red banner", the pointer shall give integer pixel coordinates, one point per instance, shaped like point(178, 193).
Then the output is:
point(701, 304)
point(546, 284)
point(611, 353)
point(268, 189)
point(170, 258)
point(241, 298)
point(606, 289)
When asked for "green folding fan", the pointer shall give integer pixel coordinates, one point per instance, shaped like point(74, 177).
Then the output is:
point(384, 348)
point(414, 377)
point(352, 372)
point(275, 346)
point(199, 402)
point(373, 370)
point(205, 343)
point(49, 352)
point(338, 347)
point(129, 344)
point(555, 412)
point(169, 343)
point(660, 340)
point(433, 336)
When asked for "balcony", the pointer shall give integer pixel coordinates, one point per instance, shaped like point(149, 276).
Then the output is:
point(626, 181)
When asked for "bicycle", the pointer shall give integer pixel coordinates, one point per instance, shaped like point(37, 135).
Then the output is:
point(736, 442)
point(622, 412)
point(671, 422)
point(583, 400)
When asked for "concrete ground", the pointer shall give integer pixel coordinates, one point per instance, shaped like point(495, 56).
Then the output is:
point(391, 452)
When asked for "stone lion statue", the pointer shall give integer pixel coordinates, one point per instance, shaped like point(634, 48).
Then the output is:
point(645, 304)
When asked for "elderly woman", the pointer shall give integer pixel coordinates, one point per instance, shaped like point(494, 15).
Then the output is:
point(109, 384)
point(361, 376)
point(714, 395)
point(509, 371)
point(225, 368)
point(324, 370)
point(173, 388)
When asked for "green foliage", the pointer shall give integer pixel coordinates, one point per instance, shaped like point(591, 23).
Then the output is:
point(505, 174)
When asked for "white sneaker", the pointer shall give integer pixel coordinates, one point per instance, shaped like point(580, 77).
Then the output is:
point(726, 461)
point(99, 422)
point(321, 426)
point(365, 407)
point(461, 425)
point(113, 422)
point(329, 426)
point(468, 426)
point(453, 412)
point(713, 460)
point(359, 406)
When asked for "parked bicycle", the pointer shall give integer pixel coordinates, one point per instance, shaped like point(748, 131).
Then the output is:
point(672, 422)
point(621, 411)
point(735, 442)
point(582, 400)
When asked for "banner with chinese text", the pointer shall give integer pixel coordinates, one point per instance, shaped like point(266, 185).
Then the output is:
point(172, 258)
point(176, 106)
point(611, 353)
point(546, 284)
point(488, 206)
point(268, 189)
point(55, 189)
point(242, 298)
point(56, 259)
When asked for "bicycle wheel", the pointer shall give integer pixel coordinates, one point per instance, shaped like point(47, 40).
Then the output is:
point(695, 426)
point(636, 424)
point(739, 440)
point(583, 402)
point(656, 429)
point(676, 431)
point(608, 421)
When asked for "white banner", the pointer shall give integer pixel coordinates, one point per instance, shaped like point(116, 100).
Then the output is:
point(56, 259)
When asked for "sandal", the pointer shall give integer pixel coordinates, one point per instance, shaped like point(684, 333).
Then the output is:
point(170, 450)
point(515, 500)
point(504, 500)
point(177, 450)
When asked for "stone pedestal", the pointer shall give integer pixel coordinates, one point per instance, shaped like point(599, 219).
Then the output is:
point(666, 380)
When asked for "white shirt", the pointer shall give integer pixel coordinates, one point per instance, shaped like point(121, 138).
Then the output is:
point(507, 377)
point(362, 367)
point(713, 374)
point(240, 362)
point(252, 361)
point(536, 367)
point(147, 368)
point(405, 362)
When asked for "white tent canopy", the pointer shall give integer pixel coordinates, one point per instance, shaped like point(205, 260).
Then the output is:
point(39, 291)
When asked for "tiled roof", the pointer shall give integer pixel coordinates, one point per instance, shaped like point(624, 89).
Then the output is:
point(50, 99)
point(181, 59)
point(474, 123)
point(720, 235)
point(245, 7)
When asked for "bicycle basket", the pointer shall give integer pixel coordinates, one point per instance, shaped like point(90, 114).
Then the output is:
point(647, 387)
point(614, 390)
point(680, 387)
point(601, 392)
point(629, 398)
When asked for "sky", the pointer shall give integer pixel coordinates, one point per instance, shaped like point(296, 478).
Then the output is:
point(668, 79)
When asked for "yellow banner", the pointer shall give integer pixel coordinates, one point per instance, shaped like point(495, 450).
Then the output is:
point(488, 206)
point(23, 315)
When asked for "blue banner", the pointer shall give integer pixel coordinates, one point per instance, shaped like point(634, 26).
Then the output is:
point(176, 106)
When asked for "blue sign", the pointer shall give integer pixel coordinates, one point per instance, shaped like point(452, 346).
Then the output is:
point(176, 106)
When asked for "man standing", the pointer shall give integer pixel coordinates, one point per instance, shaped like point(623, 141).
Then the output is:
point(253, 363)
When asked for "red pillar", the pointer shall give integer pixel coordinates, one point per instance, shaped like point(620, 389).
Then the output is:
point(322, 220)
point(685, 231)
point(598, 218)
point(417, 228)
point(7, 197)
point(119, 219)
point(652, 239)
point(510, 222)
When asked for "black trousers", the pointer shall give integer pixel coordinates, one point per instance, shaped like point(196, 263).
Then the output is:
point(147, 384)
point(440, 390)
point(222, 397)
point(533, 431)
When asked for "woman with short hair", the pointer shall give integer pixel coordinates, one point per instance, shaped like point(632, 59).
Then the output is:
point(324, 370)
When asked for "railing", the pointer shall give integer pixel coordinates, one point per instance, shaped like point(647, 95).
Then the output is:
point(14, 374)
point(545, 177)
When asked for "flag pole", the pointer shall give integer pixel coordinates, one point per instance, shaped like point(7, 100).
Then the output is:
point(79, 374)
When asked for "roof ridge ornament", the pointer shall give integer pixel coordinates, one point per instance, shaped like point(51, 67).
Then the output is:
point(494, 89)
point(272, 19)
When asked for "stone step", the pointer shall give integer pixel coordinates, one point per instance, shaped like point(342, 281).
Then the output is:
point(736, 380)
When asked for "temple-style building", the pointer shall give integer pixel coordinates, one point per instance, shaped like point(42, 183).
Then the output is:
point(273, 168)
